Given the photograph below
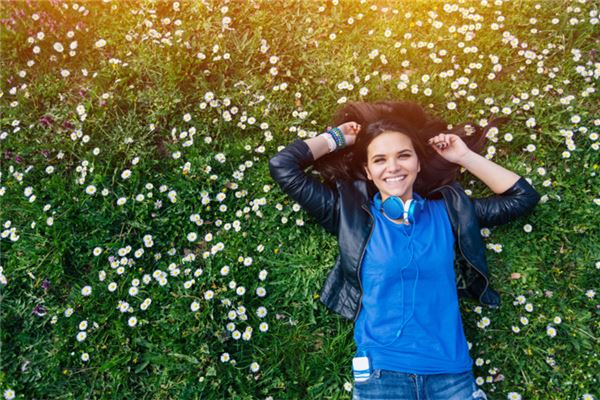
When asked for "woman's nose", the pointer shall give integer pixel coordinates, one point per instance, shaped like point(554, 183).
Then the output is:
point(393, 164)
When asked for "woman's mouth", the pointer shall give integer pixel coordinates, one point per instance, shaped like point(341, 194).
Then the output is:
point(398, 178)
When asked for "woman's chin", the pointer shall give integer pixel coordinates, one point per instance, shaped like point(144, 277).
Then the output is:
point(397, 192)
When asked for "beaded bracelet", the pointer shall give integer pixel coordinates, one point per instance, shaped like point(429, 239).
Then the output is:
point(330, 141)
point(337, 135)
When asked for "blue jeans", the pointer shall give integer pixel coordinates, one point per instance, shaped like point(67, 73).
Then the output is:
point(387, 385)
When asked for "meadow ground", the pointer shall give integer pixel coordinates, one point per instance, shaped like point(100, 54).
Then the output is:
point(146, 252)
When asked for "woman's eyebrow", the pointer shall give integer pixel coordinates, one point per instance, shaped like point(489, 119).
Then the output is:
point(398, 152)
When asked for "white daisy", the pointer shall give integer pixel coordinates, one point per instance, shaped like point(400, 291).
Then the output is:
point(126, 174)
point(261, 312)
point(81, 336)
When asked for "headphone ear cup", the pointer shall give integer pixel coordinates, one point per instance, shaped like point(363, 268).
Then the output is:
point(393, 207)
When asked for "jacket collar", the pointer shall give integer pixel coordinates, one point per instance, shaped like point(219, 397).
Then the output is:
point(362, 187)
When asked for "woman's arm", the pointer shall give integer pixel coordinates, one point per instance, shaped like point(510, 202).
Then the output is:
point(519, 200)
point(287, 169)
point(515, 196)
point(496, 177)
point(453, 149)
point(318, 146)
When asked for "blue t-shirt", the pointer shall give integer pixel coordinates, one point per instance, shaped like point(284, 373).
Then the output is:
point(410, 319)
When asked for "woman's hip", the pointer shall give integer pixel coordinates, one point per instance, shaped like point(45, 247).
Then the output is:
point(387, 385)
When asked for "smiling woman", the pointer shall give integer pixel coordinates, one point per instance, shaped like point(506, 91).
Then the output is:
point(392, 163)
point(400, 218)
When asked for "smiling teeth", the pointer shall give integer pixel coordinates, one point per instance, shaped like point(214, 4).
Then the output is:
point(396, 179)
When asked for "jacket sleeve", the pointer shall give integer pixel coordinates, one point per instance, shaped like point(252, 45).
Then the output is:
point(319, 200)
point(517, 201)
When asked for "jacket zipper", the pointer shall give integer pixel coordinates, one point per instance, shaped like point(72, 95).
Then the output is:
point(487, 282)
point(364, 248)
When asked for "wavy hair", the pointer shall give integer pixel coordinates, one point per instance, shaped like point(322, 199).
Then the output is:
point(405, 117)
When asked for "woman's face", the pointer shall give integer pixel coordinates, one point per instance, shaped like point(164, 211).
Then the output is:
point(392, 165)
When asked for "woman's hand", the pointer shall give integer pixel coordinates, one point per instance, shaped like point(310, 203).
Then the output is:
point(349, 130)
point(451, 147)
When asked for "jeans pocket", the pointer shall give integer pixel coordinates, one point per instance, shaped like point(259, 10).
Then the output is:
point(478, 393)
point(376, 374)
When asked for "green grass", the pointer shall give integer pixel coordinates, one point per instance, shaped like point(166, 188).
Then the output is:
point(136, 92)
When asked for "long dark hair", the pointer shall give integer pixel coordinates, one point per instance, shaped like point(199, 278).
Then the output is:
point(405, 117)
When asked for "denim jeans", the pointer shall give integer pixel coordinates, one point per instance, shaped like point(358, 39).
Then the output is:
point(387, 385)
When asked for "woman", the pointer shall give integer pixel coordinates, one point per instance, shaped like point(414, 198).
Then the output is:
point(401, 222)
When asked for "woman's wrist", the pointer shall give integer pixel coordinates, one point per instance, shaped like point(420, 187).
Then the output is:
point(331, 144)
point(338, 136)
point(335, 139)
point(469, 160)
point(318, 146)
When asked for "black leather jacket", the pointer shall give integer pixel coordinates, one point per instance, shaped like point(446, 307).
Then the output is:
point(344, 212)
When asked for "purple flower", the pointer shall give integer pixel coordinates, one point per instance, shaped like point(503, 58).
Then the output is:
point(46, 121)
point(39, 310)
point(46, 285)
point(18, 159)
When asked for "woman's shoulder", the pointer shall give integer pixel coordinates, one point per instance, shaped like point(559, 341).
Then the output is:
point(437, 206)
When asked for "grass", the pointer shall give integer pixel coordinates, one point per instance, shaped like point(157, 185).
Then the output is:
point(142, 102)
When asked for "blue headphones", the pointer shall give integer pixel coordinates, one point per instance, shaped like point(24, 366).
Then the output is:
point(395, 208)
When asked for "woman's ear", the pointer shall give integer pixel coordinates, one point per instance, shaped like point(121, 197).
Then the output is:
point(367, 172)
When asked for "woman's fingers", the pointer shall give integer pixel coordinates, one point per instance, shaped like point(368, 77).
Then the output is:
point(352, 125)
point(440, 141)
point(350, 128)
